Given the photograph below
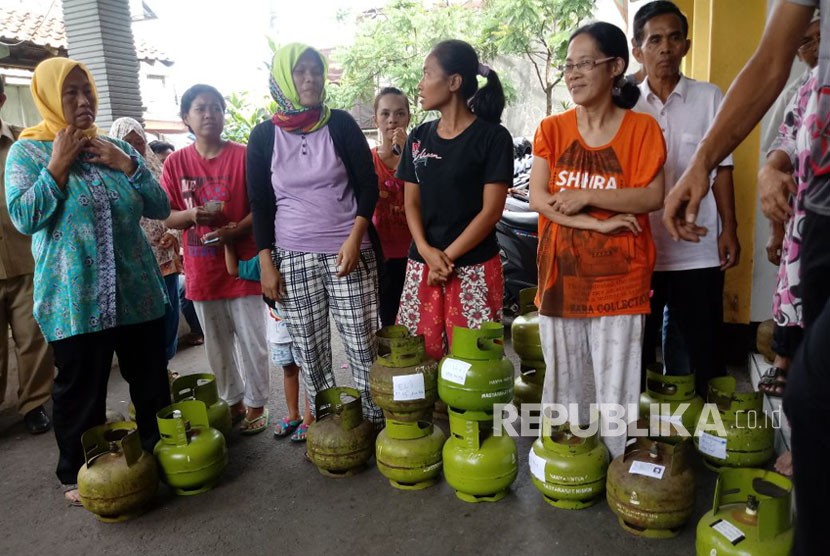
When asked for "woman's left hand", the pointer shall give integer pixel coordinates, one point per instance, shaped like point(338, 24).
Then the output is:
point(569, 201)
point(169, 241)
point(220, 236)
point(348, 257)
point(108, 154)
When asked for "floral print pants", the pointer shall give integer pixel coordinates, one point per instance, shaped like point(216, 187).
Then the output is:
point(472, 295)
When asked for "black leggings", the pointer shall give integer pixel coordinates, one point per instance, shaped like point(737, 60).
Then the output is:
point(391, 288)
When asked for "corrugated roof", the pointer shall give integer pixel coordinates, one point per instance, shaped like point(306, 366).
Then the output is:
point(20, 25)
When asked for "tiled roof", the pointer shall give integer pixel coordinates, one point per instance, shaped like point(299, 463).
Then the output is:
point(20, 25)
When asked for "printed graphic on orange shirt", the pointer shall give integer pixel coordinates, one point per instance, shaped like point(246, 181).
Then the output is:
point(593, 274)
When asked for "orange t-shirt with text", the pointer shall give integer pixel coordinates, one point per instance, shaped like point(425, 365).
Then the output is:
point(584, 273)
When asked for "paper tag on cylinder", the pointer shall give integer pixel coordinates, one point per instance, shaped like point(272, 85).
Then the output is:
point(408, 387)
point(712, 445)
point(647, 469)
point(732, 533)
point(537, 465)
point(454, 370)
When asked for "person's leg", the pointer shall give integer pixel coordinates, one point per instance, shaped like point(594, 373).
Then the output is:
point(4, 340)
point(79, 395)
point(652, 335)
point(391, 290)
point(220, 349)
point(616, 344)
point(815, 266)
point(35, 363)
point(307, 314)
point(189, 312)
point(568, 360)
point(354, 306)
point(696, 305)
point(422, 309)
point(474, 295)
point(806, 405)
point(291, 385)
point(675, 353)
point(171, 315)
point(143, 363)
point(248, 321)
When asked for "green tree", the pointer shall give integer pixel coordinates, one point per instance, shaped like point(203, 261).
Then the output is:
point(537, 30)
point(243, 114)
point(391, 44)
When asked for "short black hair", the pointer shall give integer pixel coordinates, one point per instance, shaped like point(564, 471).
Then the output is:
point(159, 147)
point(653, 9)
point(190, 95)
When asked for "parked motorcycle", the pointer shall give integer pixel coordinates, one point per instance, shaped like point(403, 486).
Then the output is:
point(517, 231)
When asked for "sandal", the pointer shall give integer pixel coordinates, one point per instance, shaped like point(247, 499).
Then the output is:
point(773, 382)
point(191, 339)
point(299, 434)
point(73, 499)
point(286, 426)
point(256, 425)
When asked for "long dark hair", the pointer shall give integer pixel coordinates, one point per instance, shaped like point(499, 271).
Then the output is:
point(611, 42)
point(459, 57)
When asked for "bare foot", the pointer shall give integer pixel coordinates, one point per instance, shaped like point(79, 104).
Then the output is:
point(784, 464)
point(238, 411)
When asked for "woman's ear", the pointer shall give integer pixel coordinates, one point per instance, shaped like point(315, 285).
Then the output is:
point(455, 82)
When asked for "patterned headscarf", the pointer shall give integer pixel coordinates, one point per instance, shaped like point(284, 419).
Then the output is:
point(47, 88)
point(122, 127)
point(290, 115)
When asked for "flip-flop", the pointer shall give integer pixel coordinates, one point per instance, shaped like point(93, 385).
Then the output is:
point(299, 434)
point(773, 382)
point(70, 488)
point(286, 426)
point(255, 426)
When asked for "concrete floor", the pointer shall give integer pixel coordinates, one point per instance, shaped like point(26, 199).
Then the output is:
point(271, 501)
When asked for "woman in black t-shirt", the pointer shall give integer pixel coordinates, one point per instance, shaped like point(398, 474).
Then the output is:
point(457, 170)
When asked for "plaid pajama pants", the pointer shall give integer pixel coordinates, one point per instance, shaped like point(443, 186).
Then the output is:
point(313, 289)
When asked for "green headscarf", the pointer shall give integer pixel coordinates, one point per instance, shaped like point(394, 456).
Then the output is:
point(290, 115)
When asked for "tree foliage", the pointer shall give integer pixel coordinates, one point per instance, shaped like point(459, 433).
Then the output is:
point(537, 30)
point(391, 44)
point(243, 115)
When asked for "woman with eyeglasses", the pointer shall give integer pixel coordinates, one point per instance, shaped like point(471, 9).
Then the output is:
point(206, 183)
point(597, 173)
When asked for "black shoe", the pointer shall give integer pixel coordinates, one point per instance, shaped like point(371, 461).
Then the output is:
point(37, 421)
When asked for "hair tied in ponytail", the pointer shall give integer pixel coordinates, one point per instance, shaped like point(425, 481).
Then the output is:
point(484, 70)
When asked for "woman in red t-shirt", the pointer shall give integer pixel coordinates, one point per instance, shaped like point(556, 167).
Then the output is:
point(596, 175)
point(392, 118)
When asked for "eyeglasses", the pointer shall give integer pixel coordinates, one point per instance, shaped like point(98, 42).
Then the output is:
point(809, 43)
point(583, 66)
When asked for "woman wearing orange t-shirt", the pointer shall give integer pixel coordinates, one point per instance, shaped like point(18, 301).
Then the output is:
point(596, 175)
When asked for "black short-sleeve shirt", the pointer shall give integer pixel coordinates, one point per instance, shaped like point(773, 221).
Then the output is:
point(451, 174)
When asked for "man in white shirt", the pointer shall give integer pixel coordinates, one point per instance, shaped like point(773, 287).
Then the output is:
point(687, 303)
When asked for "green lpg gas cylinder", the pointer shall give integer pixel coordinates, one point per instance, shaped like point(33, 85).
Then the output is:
point(750, 516)
point(203, 387)
point(191, 454)
point(749, 439)
point(675, 403)
point(476, 374)
point(340, 440)
point(528, 386)
point(568, 470)
point(651, 487)
point(119, 478)
point(409, 454)
point(403, 380)
point(478, 465)
point(525, 328)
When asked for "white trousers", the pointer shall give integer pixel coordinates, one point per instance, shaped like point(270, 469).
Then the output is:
point(602, 350)
point(236, 348)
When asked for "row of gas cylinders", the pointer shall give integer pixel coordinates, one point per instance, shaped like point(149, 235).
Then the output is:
point(119, 478)
point(411, 452)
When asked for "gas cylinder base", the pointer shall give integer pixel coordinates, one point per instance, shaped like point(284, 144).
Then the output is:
point(649, 533)
point(413, 486)
point(473, 499)
point(572, 504)
point(122, 517)
point(341, 473)
point(194, 491)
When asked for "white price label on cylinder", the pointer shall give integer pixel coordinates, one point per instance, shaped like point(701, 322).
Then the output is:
point(712, 445)
point(732, 533)
point(647, 469)
point(537, 465)
point(454, 370)
point(408, 387)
